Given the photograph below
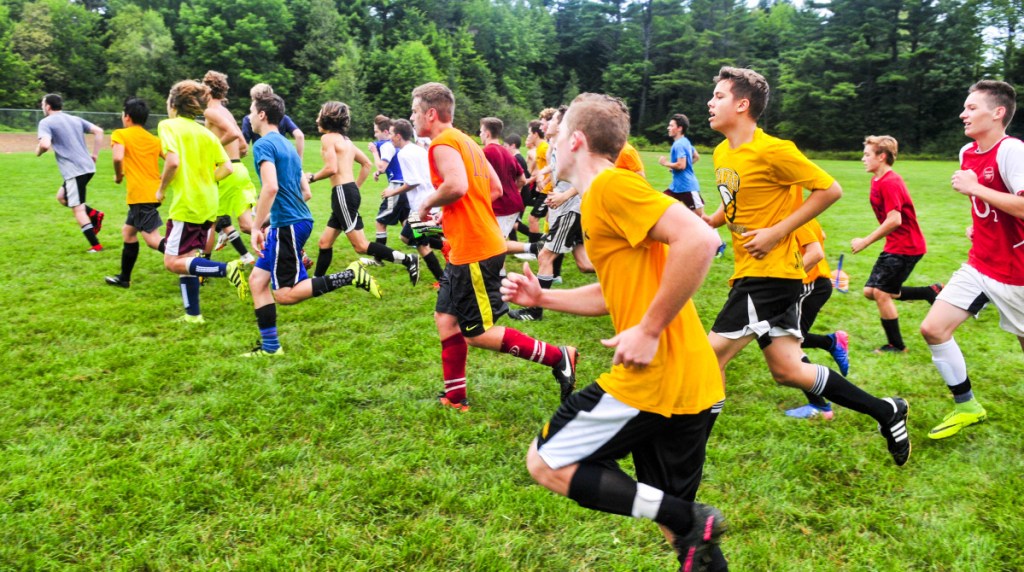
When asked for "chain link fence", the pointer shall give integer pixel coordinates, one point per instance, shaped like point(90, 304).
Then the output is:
point(26, 120)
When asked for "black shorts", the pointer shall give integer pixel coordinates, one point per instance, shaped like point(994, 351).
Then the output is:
point(539, 210)
point(891, 271)
point(526, 193)
point(691, 199)
point(565, 234)
point(144, 216)
point(593, 426)
point(223, 221)
point(74, 189)
point(345, 200)
point(393, 210)
point(470, 293)
point(775, 303)
point(815, 295)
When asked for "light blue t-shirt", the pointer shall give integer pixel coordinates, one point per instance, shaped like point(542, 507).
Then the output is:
point(683, 180)
point(288, 207)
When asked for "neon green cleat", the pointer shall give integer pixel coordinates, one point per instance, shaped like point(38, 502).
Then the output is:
point(187, 319)
point(362, 279)
point(236, 275)
point(963, 414)
point(258, 351)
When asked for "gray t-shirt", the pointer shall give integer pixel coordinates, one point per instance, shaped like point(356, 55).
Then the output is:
point(66, 136)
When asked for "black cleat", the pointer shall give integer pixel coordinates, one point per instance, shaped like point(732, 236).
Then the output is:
point(692, 547)
point(896, 433)
point(412, 264)
point(565, 371)
point(117, 281)
point(527, 314)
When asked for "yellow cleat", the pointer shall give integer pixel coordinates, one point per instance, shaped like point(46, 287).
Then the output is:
point(955, 421)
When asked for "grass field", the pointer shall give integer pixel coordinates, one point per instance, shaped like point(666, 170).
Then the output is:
point(128, 443)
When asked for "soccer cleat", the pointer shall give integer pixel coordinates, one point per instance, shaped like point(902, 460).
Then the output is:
point(247, 258)
point(721, 251)
point(236, 276)
point(556, 280)
point(362, 279)
point(692, 547)
point(364, 262)
point(97, 221)
point(811, 411)
point(117, 281)
point(258, 351)
point(963, 414)
point(565, 371)
point(841, 350)
point(890, 349)
point(94, 249)
point(412, 264)
point(896, 433)
point(463, 405)
point(189, 319)
point(527, 314)
point(526, 256)
point(222, 240)
point(937, 288)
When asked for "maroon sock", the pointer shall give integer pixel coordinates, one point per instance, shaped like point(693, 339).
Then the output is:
point(523, 346)
point(453, 366)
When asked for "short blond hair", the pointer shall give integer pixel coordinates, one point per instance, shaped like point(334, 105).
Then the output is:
point(437, 96)
point(547, 113)
point(260, 90)
point(884, 144)
point(603, 119)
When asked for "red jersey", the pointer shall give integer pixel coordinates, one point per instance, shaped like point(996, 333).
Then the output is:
point(468, 223)
point(997, 248)
point(508, 169)
point(889, 193)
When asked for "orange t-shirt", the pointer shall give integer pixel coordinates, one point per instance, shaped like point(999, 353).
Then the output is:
point(469, 223)
point(629, 159)
point(141, 163)
point(808, 233)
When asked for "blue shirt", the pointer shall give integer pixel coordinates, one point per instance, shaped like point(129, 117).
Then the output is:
point(393, 170)
point(287, 126)
point(288, 207)
point(683, 180)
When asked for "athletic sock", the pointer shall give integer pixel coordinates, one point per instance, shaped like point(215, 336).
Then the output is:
point(382, 237)
point(433, 264)
point(716, 410)
point(323, 261)
point(453, 366)
point(383, 253)
point(557, 266)
point(837, 389)
point(331, 282)
point(129, 254)
point(238, 243)
point(892, 333)
point(818, 342)
point(949, 360)
point(90, 234)
point(198, 266)
point(908, 293)
point(546, 280)
point(523, 346)
point(815, 400)
point(607, 489)
point(162, 247)
point(534, 247)
point(190, 294)
point(266, 320)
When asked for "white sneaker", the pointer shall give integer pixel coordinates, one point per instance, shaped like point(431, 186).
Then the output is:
point(248, 258)
point(364, 262)
point(526, 256)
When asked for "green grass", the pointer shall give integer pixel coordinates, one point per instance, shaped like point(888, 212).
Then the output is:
point(128, 442)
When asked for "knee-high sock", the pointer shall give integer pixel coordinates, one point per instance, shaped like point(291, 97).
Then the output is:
point(523, 346)
point(607, 489)
point(266, 321)
point(836, 388)
point(892, 332)
point(190, 294)
point(453, 366)
point(949, 360)
point(129, 254)
point(433, 264)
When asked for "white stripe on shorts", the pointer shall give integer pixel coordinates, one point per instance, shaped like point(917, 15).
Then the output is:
point(71, 195)
point(587, 432)
point(174, 238)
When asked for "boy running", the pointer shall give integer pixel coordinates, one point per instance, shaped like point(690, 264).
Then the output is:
point(416, 174)
point(651, 256)
point(760, 179)
point(394, 209)
point(468, 300)
point(992, 175)
point(904, 243)
point(682, 156)
point(137, 159)
point(282, 203)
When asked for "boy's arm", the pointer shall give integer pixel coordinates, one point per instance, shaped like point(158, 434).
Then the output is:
point(966, 183)
point(813, 254)
point(117, 150)
point(893, 220)
point(766, 239)
point(330, 157)
point(524, 289)
point(171, 163)
point(268, 192)
point(300, 141)
point(715, 219)
point(223, 170)
point(364, 167)
point(97, 141)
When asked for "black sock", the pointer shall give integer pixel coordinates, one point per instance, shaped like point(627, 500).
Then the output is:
point(238, 243)
point(323, 261)
point(382, 237)
point(90, 234)
point(716, 410)
point(909, 293)
point(433, 264)
point(557, 266)
point(815, 400)
point(892, 332)
point(836, 388)
point(331, 282)
point(818, 341)
point(535, 247)
point(129, 253)
point(162, 247)
point(435, 242)
point(380, 252)
point(266, 316)
point(608, 489)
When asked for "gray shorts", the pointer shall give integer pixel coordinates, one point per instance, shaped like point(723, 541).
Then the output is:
point(144, 216)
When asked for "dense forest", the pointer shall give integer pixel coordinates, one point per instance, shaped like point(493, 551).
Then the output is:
point(839, 69)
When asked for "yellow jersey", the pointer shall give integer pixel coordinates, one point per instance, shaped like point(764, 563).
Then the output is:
point(808, 234)
point(542, 162)
point(141, 163)
point(629, 159)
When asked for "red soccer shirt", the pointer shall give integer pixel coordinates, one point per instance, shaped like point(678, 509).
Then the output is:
point(889, 193)
point(997, 248)
point(508, 169)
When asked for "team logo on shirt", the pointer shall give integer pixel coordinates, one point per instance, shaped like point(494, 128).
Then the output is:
point(988, 174)
point(728, 183)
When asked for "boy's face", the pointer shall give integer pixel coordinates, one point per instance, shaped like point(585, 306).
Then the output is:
point(254, 118)
point(723, 107)
point(567, 157)
point(979, 116)
point(396, 139)
point(531, 140)
point(419, 118)
point(551, 133)
point(125, 120)
point(872, 160)
point(673, 129)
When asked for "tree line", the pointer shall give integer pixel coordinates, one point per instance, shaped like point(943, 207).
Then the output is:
point(839, 69)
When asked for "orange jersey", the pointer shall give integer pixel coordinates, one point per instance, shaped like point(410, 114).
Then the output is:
point(807, 234)
point(629, 159)
point(141, 163)
point(542, 162)
point(469, 223)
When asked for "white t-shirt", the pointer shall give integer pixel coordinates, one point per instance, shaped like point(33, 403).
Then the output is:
point(416, 171)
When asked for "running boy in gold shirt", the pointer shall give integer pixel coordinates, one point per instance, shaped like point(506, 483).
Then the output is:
point(760, 179)
point(651, 255)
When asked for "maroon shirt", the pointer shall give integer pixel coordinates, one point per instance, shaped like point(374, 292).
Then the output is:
point(508, 169)
point(889, 193)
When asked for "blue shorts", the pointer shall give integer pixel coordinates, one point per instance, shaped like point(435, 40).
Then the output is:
point(282, 254)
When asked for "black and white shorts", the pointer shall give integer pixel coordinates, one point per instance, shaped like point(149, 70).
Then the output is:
point(815, 295)
point(565, 234)
point(144, 216)
point(891, 271)
point(691, 199)
point(762, 307)
point(345, 200)
point(282, 254)
point(594, 426)
point(470, 292)
point(74, 189)
point(185, 237)
point(394, 209)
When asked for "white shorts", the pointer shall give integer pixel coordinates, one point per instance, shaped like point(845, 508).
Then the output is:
point(971, 291)
point(506, 223)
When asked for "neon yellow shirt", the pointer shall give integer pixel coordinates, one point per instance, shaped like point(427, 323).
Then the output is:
point(193, 191)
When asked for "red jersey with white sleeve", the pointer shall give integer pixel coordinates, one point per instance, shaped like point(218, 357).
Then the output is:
point(997, 248)
point(889, 193)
